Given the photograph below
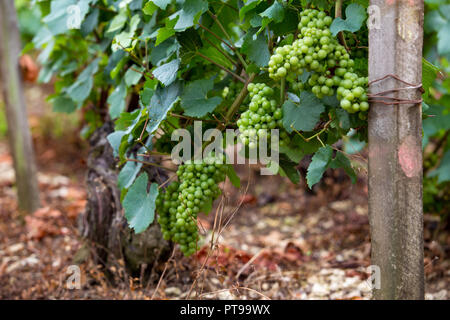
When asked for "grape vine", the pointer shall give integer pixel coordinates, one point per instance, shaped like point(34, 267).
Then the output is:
point(153, 67)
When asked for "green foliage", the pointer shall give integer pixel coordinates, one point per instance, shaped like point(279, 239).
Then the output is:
point(355, 16)
point(303, 116)
point(158, 65)
point(195, 101)
point(139, 205)
point(436, 122)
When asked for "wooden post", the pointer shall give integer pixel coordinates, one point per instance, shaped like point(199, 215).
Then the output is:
point(18, 130)
point(395, 149)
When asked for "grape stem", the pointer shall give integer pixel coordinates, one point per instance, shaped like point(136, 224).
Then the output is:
point(338, 14)
point(282, 90)
point(239, 99)
point(150, 164)
point(315, 135)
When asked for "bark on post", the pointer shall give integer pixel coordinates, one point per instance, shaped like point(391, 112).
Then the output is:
point(395, 149)
point(18, 130)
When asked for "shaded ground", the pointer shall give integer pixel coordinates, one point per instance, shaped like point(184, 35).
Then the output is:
point(284, 242)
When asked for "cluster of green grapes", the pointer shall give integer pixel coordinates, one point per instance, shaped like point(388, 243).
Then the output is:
point(262, 115)
point(179, 206)
point(318, 52)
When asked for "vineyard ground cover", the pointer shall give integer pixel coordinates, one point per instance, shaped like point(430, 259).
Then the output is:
point(306, 244)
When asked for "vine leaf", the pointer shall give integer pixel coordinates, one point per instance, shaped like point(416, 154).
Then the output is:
point(118, 21)
point(82, 87)
point(116, 100)
point(443, 171)
point(162, 3)
point(63, 104)
point(355, 16)
point(133, 75)
point(318, 165)
point(161, 102)
point(444, 40)
point(194, 100)
point(128, 174)
point(190, 13)
point(234, 178)
point(57, 20)
point(115, 139)
point(152, 5)
point(139, 205)
point(166, 32)
point(288, 168)
point(249, 6)
point(167, 73)
point(256, 49)
point(341, 161)
point(273, 13)
point(303, 116)
point(429, 73)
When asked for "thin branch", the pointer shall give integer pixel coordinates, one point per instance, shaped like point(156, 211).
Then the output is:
point(150, 164)
point(338, 14)
point(239, 99)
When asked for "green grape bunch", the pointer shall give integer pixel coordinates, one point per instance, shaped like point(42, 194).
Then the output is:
point(178, 207)
point(262, 115)
point(318, 52)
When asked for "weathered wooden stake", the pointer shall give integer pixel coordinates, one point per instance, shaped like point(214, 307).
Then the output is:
point(18, 130)
point(395, 149)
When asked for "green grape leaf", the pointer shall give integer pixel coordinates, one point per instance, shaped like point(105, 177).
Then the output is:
point(125, 38)
point(318, 165)
point(167, 73)
point(194, 100)
point(341, 161)
point(61, 16)
point(190, 13)
point(162, 101)
point(119, 21)
point(273, 13)
point(248, 6)
point(443, 171)
point(234, 178)
point(355, 16)
point(116, 100)
point(63, 104)
point(90, 22)
point(128, 174)
point(303, 116)
point(162, 53)
point(165, 32)
point(161, 3)
point(82, 87)
point(444, 40)
point(139, 205)
point(429, 73)
point(115, 140)
point(288, 167)
point(256, 49)
point(133, 75)
point(434, 21)
point(298, 148)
